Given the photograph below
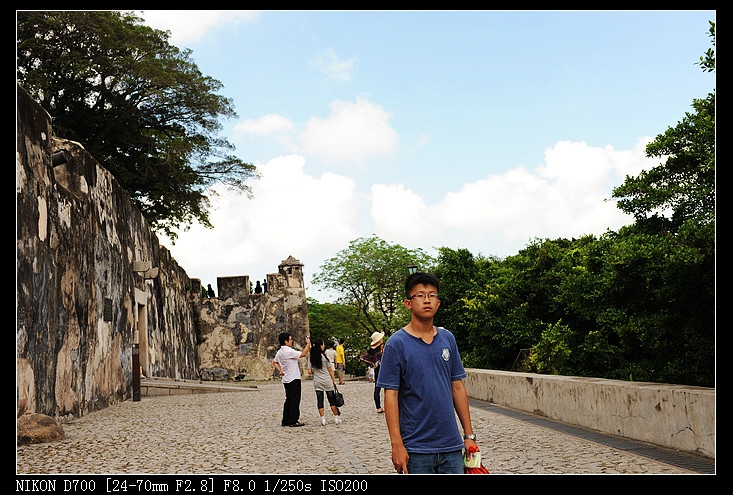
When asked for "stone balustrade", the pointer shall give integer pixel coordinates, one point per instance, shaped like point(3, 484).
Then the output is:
point(678, 417)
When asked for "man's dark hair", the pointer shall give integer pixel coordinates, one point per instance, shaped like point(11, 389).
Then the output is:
point(283, 337)
point(421, 278)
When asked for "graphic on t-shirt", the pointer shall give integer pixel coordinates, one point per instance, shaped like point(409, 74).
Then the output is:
point(445, 354)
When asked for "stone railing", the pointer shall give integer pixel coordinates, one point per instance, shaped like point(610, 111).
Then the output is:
point(674, 416)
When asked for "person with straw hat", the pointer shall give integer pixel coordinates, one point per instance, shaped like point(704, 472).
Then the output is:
point(373, 357)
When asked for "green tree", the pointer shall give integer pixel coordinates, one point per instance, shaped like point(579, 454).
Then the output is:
point(459, 272)
point(707, 61)
point(369, 276)
point(139, 105)
point(523, 298)
point(684, 185)
point(588, 310)
point(333, 321)
point(552, 352)
point(661, 270)
point(653, 298)
point(498, 318)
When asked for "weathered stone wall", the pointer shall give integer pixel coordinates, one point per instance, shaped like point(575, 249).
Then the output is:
point(81, 304)
point(238, 331)
point(92, 281)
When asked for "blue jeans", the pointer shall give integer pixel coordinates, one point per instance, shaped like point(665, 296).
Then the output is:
point(444, 463)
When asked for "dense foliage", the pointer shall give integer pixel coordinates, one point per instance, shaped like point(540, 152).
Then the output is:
point(139, 105)
point(332, 322)
point(370, 276)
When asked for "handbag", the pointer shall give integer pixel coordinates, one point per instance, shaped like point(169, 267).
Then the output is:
point(338, 397)
point(474, 464)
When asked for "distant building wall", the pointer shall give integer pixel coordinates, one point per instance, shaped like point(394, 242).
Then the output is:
point(92, 280)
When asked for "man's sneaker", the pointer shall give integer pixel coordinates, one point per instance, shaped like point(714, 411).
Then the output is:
point(323, 420)
point(337, 419)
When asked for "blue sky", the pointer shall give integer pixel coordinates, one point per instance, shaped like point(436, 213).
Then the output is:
point(467, 129)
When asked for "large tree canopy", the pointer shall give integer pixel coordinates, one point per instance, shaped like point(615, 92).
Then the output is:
point(683, 187)
point(369, 276)
point(139, 105)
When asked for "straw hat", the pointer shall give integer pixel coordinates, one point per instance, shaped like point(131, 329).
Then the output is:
point(377, 338)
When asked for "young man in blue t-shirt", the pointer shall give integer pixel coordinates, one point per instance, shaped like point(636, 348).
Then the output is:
point(422, 377)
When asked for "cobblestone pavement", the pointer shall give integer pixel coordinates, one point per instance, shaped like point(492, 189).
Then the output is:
point(240, 432)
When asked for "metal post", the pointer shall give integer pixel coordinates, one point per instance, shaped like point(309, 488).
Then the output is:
point(135, 372)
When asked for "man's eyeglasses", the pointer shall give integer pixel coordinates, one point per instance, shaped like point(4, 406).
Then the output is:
point(420, 296)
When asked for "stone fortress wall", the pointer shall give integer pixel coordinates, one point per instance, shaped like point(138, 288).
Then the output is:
point(94, 286)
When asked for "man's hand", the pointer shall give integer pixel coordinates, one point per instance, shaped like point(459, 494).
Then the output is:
point(468, 443)
point(400, 458)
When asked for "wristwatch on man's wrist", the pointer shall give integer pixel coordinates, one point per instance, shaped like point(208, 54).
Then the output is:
point(472, 436)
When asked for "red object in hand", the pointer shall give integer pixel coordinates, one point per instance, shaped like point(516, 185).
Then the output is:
point(474, 465)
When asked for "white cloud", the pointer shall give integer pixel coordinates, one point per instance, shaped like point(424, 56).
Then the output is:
point(268, 125)
point(292, 213)
point(300, 211)
point(271, 126)
point(401, 214)
point(567, 196)
point(328, 63)
point(189, 26)
point(353, 133)
point(313, 218)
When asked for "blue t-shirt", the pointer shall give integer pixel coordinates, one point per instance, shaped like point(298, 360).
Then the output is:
point(422, 374)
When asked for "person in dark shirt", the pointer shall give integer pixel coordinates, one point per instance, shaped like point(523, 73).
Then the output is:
point(372, 357)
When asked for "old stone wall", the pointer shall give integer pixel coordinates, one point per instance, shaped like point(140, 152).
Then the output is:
point(92, 281)
point(238, 331)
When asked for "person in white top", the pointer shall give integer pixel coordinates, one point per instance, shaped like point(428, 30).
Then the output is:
point(331, 354)
point(286, 363)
